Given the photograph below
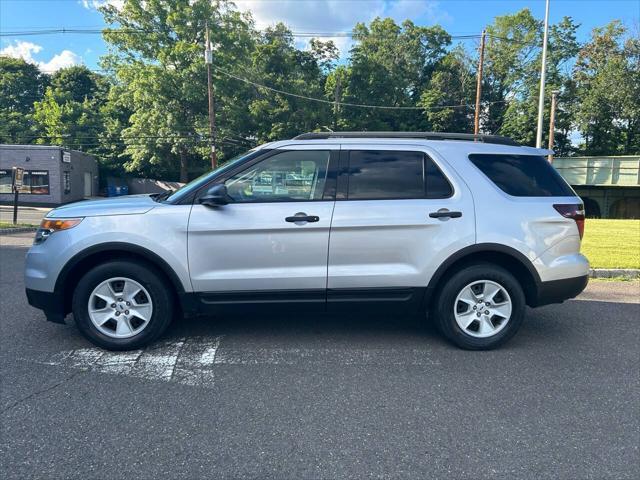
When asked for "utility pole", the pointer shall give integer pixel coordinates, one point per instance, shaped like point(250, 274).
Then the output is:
point(336, 103)
point(543, 74)
point(208, 56)
point(552, 122)
point(476, 124)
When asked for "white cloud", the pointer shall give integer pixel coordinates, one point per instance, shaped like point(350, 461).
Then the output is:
point(324, 16)
point(64, 59)
point(95, 4)
point(26, 50)
point(23, 50)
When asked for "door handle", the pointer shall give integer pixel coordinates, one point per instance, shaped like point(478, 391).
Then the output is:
point(443, 213)
point(302, 217)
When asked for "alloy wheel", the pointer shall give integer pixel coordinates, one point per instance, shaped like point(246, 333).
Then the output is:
point(482, 308)
point(120, 307)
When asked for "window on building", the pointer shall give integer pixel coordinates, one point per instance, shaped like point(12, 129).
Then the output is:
point(35, 182)
point(5, 181)
point(39, 182)
point(66, 181)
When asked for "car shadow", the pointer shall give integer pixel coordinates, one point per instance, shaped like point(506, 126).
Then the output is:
point(557, 325)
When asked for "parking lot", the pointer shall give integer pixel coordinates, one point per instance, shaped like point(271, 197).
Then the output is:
point(323, 397)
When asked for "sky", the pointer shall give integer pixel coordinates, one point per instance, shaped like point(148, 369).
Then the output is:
point(458, 17)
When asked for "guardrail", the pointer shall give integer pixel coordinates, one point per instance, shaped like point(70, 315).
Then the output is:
point(617, 171)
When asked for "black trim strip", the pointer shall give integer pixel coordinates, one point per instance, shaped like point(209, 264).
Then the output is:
point(262, 297)
point(381, 294)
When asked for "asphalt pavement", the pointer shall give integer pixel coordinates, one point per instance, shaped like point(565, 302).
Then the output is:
point(322, 397)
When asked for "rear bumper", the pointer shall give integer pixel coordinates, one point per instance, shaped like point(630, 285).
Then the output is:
point(51, 303)
point(557, 291)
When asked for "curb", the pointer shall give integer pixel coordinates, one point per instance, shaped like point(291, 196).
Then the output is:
point(626, 273)
point(6, 231)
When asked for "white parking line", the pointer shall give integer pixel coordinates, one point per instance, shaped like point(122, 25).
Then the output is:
point(159, 361)
point(195, 361)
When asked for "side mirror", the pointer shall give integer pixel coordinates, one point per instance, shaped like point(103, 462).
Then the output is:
point(215, 196)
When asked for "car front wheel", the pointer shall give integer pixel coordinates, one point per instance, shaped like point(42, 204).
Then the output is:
point(122, 305)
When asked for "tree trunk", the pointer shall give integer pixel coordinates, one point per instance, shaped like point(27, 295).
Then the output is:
point(184, 167)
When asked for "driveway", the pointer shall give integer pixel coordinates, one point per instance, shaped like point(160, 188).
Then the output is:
point(322, 397)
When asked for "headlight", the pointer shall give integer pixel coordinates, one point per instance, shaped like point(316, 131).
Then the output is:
point(49, 226)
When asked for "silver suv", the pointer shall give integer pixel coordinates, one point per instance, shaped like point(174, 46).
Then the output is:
point(467, 229)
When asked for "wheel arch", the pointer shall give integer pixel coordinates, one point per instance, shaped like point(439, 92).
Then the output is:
point(92, 256)
point(506, 257)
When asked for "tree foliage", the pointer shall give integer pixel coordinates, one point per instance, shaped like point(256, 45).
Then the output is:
point(147, 113)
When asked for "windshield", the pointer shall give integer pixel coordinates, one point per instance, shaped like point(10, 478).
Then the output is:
point(203, 179)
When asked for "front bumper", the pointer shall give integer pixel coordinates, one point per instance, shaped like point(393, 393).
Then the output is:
point(51, 303)
point(557, 291)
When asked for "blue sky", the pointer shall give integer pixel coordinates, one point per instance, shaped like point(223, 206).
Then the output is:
point(456, 16)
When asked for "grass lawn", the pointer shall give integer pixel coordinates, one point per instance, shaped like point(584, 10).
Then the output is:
point(18, 225)
point(612, 243)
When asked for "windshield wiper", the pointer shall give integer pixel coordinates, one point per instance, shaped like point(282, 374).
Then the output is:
point(158, 197)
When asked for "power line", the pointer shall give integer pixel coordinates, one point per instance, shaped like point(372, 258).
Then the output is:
point(132, 31)
point(346, 104)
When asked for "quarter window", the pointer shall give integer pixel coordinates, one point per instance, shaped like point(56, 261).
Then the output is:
point(378, 175)
point(522, 175)
point(289, 176)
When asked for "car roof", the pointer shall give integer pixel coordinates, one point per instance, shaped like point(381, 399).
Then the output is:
point(445, 145)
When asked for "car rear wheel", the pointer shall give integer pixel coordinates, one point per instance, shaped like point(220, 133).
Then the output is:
point(480, 307)
point(122, 305)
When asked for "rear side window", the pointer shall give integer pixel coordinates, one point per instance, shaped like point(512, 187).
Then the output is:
point(522, 175)
point(379, 175)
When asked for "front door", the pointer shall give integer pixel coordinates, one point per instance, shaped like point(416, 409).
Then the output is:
point(270, 243)
point(398, 215)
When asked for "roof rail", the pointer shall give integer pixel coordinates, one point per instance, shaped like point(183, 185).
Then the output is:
point(418, 135)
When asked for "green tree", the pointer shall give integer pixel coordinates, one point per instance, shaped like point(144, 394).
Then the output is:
point(449, 93)
point(607, 79)
point(281, 66)
point(157, 57)
point(69, 113)
point(391, 65)
point(21, 84)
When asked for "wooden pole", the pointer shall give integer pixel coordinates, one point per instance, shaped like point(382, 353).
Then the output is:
point(212, 110)
point(476, 124)
point(552, 122)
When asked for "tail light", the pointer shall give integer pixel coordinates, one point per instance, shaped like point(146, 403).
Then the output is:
point(574, 211)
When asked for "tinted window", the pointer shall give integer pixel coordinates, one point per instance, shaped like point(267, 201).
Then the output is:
point(385, 174)
point(394, 174)
point(522, 175)
point(437, 184)
point(288, 176)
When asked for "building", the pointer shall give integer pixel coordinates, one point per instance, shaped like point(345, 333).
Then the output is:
point(52, 175)
point(609, 186)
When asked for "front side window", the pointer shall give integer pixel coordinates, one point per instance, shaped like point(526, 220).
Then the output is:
point(379, 175)
point(284, 177)
point(522, 175)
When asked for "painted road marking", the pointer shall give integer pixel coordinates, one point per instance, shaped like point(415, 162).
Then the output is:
point(194, 361)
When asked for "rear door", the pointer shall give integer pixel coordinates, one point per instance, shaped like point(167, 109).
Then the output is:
point(400, 212)
point(269, 245)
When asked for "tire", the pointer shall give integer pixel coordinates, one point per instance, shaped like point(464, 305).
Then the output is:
point(465, 289)
point(143, 319)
